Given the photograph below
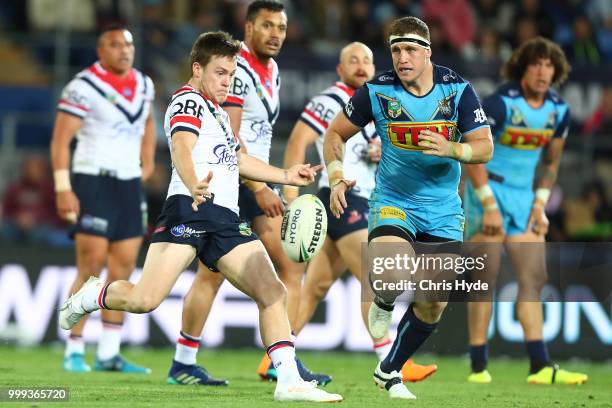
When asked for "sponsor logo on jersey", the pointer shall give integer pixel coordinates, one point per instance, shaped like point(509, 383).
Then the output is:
point(405, 135)
point(225, 157)
point(391, 212)
point(525, 138)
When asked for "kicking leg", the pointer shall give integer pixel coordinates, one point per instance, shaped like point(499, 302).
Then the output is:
point(122, 257)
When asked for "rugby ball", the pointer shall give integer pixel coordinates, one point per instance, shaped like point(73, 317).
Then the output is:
point(304, 228)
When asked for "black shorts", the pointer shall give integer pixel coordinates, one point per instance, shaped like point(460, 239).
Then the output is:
point(423, 243)
point(111, 208)
point(355, 216)
point(213, 230)
point(248, 205)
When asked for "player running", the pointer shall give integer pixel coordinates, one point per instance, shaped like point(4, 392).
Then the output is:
point(108, 107)
point(253, 106)
point(423, 110)
point(530, 123)
point(200, 217)
point(342, 247)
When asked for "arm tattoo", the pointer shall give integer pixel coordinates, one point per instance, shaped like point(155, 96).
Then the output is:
point(286, 175)
point(339, 151)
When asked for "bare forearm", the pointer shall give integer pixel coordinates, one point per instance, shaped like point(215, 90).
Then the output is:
point(60, 154)
point(478, 174)
point(254, 169)
point(333, 148)
point(183, 162)
point(147, 147)
point(474, 151)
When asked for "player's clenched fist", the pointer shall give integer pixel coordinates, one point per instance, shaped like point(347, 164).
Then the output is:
point(68, 205)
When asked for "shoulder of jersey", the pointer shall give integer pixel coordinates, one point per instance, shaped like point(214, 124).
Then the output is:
point(445, 75)
point(511, 89)
point(384, 78)
point(554, 97)
point(188, 92)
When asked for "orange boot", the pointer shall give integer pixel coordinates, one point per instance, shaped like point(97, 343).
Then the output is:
point(265, 369)
point(414, 372)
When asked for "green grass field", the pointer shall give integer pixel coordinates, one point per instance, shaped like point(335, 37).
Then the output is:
point(40, 367)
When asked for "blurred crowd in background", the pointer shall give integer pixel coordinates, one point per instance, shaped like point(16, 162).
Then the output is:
point(43, 43)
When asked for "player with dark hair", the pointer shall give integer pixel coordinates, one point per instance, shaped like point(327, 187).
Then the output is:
point(200, 218)
point(530, 123)
point(253, 106)
point(108, 107)
point(431, 120)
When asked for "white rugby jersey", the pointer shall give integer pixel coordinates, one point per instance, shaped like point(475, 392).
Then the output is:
point(216, 148)
point(256, 90)
point(114, 112)
point(318, 114)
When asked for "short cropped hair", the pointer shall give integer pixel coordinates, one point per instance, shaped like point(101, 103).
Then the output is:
point(532, 50)
point(258, 5)
point(217, 43)
point(112, 27)
point(409, 25)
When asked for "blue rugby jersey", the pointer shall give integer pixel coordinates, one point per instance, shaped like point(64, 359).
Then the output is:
point(521, 131)
point(450, 108)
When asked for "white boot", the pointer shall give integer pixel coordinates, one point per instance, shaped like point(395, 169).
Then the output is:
point(72, 310)
point(304, 391)
point(392, 382)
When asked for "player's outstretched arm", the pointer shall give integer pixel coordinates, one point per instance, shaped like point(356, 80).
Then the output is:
point(301, 137)
point(339, 131)
point(66, 127)
point(298, 175)
point(477, 147)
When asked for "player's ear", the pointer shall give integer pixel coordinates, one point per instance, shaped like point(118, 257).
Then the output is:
point(339, 70)
point(248, 29)
point(196, 70)
point(428, 53)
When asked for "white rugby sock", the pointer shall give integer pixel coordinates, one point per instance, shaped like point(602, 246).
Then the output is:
point(382, 349)
point(282, 354)
point(74, 345)
point(187, 349)
point(110, 341)
point(91, 297)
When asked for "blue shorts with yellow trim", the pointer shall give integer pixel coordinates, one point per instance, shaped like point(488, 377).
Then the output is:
point(514, 205)
point(443, 219)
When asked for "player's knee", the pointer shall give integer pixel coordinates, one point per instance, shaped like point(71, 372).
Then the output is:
point(320, 289)
point(93, 262)
point(275, 294)
point(429, 312)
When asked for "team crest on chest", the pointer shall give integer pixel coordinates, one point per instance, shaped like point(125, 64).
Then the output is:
point(446, 105)
point(516, 117)
point(552, 119)
point(394, 108)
